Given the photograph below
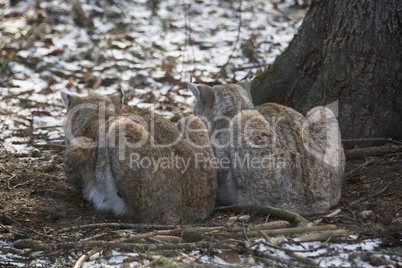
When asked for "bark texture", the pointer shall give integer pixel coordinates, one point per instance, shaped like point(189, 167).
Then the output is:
point(349, 52)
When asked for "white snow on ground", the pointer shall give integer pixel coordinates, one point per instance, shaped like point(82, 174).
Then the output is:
point(129, 47)
point(133, 48)
point(339, 254)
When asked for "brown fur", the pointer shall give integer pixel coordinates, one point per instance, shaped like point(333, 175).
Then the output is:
point(173, 194)
point(301, 158)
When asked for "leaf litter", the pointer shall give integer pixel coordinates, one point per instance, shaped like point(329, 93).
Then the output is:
point(150, 49)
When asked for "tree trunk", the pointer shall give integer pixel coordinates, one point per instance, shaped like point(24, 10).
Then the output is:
point(345, 51)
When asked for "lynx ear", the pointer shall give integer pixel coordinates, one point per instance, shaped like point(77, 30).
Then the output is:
point(201, 92)
point(194, 89)
point(205, 96)
point(245, 83)
point(66, 97)
point(118, 97)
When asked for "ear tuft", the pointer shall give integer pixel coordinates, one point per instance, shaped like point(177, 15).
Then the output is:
point(118, 96)
point(194, 89)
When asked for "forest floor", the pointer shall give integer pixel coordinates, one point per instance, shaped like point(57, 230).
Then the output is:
point(37, 203)
point(150, 49)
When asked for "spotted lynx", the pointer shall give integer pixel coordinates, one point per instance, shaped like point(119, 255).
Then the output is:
point(276, 156)
point(136, 163)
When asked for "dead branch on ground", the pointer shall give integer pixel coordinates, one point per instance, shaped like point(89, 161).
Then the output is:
point(39, 246)
point(377, 150)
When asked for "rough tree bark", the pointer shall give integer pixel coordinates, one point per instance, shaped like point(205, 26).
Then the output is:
point(348, 51)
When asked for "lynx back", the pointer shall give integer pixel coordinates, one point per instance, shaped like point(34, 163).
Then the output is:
point(135, 163)
point(276, 156)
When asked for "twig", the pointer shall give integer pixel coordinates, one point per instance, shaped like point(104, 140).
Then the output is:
point(230, 228)
point(293, 218)
point(377, 150)
point(8, 182)
point(117, 225)
point(29, 229)
point(17, 185)
point(14, 233)
point(46, 127)
point(296, 230)
point(302, 259)
point(325, 236)
point(85, 257)
point(332, 214)
point(266, 262)
point(96, 237)
point(244, 231)
point(250, 67)
point(372, 195)
point(221, 234)
point(17, 95)
point(285, 249)
point(39, 246)
point(187, 234)
point(372, 139)
point(50, 145)
point(286, 263)
point(361, 166)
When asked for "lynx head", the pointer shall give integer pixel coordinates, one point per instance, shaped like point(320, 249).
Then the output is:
point(92, 108)
point(221, 99)
point(114, 101)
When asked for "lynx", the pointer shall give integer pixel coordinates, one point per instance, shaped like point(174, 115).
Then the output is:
point(277, 157)
point(136, 163)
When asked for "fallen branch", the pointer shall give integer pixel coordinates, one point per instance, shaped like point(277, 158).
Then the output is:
point(8, 182)
point(50, 146)
point(250, 67)
point(286, 249)
point(291, 231)
point(117, 225)
point(323, 236)
point(230, 228)
point(39, 246)
point(47, 127)
point(302, 259)
point(365, 164)
point(377, 150)
point(332, 214)
point(85, 257)
point(281, 262)
point(293, 218)
point(8, 229)
point(30, 230)
point(372, 139)
point(98, 237)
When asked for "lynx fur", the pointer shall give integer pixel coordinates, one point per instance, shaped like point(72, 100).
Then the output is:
point(135, 163)
point(277, 157)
